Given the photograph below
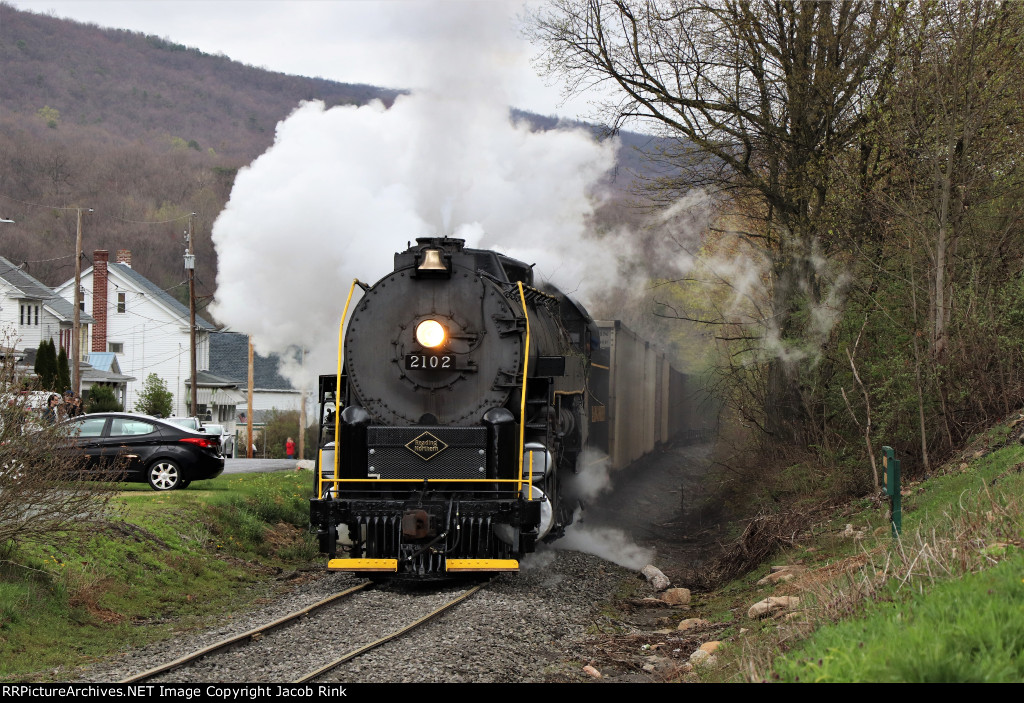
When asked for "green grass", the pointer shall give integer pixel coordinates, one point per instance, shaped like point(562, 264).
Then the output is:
point(175, 561)
point(944, 603)
point(967, 630)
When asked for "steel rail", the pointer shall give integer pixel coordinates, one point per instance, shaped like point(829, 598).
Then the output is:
point(387, 638)
point(249, 635)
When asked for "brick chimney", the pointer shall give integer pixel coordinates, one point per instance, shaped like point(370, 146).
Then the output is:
point(124, 256)
point(99, 299)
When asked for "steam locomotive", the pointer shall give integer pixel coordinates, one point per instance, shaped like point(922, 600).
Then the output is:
point(464, 398)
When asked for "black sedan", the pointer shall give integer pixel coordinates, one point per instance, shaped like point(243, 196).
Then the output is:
point(145, 449)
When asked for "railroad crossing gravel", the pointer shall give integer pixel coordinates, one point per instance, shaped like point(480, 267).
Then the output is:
point(525, 627)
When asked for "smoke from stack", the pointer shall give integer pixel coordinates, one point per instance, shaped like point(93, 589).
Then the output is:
point(342, 189)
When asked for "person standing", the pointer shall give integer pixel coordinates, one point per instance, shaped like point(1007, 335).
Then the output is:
point(289, 448)
point(72, 404)
point(50, 413)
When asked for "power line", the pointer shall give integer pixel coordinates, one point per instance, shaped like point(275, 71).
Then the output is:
point(112, 217)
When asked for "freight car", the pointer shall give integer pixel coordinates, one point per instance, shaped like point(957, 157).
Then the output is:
point(463, 400)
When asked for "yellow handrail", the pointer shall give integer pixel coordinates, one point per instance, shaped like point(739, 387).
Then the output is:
point(337, 390)
point(522, 405)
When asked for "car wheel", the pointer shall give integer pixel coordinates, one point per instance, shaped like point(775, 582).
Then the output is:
point(164, 475)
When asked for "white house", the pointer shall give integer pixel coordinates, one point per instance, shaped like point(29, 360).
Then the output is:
point(30, 313)
point(144, 327)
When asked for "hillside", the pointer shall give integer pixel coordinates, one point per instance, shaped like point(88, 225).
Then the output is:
point(143, 131)
point(139, 129)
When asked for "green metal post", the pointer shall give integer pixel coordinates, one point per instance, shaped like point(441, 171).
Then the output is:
point(892, 488)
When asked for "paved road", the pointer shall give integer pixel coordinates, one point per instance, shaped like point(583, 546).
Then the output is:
point(250, 466)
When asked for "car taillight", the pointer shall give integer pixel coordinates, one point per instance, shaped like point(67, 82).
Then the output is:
point(203, 442)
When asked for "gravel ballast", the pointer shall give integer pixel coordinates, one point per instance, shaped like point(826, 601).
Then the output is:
point(525, 627)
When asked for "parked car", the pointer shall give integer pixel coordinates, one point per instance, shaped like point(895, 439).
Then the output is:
point(191, 423)
point(158, 452)
point(227, 440)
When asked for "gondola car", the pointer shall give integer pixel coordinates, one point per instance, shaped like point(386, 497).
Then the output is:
point(462, 402)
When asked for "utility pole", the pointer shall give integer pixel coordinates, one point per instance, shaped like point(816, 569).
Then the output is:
point(75, 353)
point(302, 408)
point(190, 266)
point(248, 412)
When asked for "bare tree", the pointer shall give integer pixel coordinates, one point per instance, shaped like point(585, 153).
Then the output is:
point(47, 493)
point(760, 97)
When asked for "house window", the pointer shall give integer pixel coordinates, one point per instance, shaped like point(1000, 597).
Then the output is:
point(120, 302)
point(25, 316)
point(116, 347)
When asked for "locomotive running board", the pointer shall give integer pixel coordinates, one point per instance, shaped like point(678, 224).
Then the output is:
point(481, 565)
point(362, 565)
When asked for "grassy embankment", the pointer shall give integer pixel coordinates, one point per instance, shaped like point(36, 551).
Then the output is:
point(943, 603)
point(172, 561)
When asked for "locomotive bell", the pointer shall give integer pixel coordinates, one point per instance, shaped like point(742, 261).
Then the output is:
point(432, 261)
point(431, 264)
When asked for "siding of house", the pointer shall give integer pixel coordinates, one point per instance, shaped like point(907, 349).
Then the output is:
point(25, 336)
point(154, 339)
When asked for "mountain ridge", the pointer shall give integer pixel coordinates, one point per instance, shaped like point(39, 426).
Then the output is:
point(144, 131)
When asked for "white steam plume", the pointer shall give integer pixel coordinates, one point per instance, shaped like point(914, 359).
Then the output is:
point(592, 477)
point(607, 543)
point(344, 188)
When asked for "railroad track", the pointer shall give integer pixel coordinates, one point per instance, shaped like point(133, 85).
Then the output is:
point(307, 615)
point(387, 638)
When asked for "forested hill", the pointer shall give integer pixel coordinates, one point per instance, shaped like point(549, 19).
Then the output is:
point(144, 88)
point(138, 128)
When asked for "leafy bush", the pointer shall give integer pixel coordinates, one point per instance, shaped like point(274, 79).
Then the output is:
point(102, 400)
point(280, 425)
point(63, 370)
point(155, 399)
point(46, 366)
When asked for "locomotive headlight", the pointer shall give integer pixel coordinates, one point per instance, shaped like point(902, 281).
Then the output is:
point(430, 333)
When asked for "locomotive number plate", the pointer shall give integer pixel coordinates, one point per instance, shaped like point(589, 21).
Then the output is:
point(430, 362)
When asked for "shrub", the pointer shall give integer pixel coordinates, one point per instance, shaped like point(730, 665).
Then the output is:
point(63, 371)
point(155, 399)
point(279, 426)
point(102, 400)
point(46, 366)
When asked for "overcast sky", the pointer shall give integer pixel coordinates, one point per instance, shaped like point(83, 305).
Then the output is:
point(378, 42)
